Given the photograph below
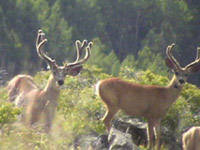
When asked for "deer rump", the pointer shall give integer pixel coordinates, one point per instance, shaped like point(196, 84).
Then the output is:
point(18, 87)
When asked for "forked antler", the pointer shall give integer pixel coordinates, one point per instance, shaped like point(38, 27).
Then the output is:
point(198, 54)
point(171, 57)
point(192, 67)
point(80, 46)
point(41, 40)
point(195, 65)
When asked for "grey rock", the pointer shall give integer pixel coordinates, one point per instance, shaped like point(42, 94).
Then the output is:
point(125, 134)
point(83, 141)
point(120, 141)
point(100, 143)
point(135, 127)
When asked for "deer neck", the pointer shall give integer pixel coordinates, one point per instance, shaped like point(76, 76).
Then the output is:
point(52, 90)
point(174, 88)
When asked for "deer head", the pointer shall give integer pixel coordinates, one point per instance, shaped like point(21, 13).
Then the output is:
point(181, 73)
point(59, 72)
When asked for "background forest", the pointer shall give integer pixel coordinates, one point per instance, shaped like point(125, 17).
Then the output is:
point(131, 32)
point(130, 39)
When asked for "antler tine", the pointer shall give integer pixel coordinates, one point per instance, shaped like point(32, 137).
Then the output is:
point(39, 45)
point(38, 37)
point(194, 66)
point(171, 57)
point(79, 48)
point(87, 55)
point(198, 53)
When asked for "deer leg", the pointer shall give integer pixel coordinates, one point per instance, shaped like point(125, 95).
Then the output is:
point(48, 123)
point(111, 111)
point(32, 114)
point(49, 115)
point(35, 116)
point(157, 134)
point(32, 118)
point(150, 134)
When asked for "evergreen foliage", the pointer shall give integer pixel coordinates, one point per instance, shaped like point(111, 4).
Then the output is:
point(141, 28)
point(130, 39)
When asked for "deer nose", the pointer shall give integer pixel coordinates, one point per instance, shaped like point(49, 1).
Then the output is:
point(60, 82)
point(181, 81)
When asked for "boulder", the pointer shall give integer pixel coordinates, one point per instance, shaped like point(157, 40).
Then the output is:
point(120, 140)
point(125, 134)
point(137, 129)
point(100, 143)
point(134, 127)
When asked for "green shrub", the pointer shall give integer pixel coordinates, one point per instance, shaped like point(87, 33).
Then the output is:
point(191, 94)
point(79, 109)
point(127, 72)
point(8, 113)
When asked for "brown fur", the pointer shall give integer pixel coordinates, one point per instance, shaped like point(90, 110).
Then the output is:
point(18, 84)
point(191, 139)
point(24, 93)
point(149, 101)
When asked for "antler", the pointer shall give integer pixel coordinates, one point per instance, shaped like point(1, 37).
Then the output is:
point(41, 40)
point(171, 57)
point(195, 65)
point(80, 46)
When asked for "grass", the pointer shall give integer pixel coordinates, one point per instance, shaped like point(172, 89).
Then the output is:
point(79, 111)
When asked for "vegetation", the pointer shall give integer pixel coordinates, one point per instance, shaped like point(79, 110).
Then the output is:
point(120, 30)
point(80, 109)
point(130, 38)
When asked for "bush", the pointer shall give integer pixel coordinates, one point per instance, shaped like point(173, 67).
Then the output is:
point(8, 113)
point(79, 104)
point(79, 109)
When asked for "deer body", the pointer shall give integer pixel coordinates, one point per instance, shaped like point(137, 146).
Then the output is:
point(137, 99)
point(191, 139)
point(37, 102)
point(43, 101)
point(18, 87)
point(149, 101)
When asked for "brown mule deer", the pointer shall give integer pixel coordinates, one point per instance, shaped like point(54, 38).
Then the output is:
point(191, 139)
point(25, 93)
point(149, 101)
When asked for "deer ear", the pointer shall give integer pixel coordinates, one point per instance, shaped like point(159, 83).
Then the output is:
point(169, 63)
point(75, 70)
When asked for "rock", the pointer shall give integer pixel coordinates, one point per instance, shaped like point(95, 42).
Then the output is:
point(116, 140)
point(170, 139)
point(135, 127)
point(120, 141)
point(100, 143)
point(125, 134)
point(83, 142)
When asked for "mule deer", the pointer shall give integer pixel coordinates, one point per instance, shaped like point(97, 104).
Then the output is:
point(148, 101)
point(25, 93)
point(191, 139)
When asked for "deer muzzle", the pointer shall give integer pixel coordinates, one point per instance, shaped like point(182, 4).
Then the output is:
point(60, 82)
